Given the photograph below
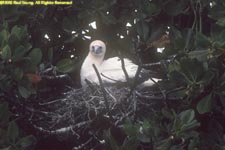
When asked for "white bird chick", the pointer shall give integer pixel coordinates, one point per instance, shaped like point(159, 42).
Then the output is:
point(111, 69)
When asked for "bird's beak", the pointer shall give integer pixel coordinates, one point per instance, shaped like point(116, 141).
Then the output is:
point(97, 49)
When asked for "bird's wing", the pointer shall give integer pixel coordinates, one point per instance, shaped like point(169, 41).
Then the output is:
point(111, 69)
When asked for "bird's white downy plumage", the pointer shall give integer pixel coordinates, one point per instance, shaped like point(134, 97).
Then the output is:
point(111, 69)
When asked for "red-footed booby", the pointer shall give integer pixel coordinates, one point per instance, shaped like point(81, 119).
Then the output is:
point(111, 69)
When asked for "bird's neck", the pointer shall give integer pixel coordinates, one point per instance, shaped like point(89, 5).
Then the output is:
point(91, 59)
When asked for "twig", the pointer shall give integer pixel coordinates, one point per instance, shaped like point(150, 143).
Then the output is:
point(90, 84)
point(175, 90)
point(109, 78)
point(81, 146)
point(103, 90)
point(151, 64)
point(124, 69)
point(54, 77)
point(154, 97)
point(61, 130)
point(54, 101)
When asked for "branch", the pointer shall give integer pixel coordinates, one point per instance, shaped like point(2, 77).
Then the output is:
point(81, 146)
point(151, 64)
point(54, 77)
point(62, 130)
point(154, 97)
point(124, 69)
point(103, 90)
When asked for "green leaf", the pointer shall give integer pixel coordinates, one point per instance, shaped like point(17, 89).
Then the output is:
point(221, 39)
point(150, 8)
point(167, 113)
point(27, 141)
point(13, 131)
point(221, 22)
point(200, 55)
point(190, 125)
point(202, 41)
point(187, 116)
point(65, 65)
point(25, 93)
point(130, 129)
point(111, 141)
point(6, 52)
point(35, 56)
point(13, 41)
point(217, 11)
point(205, 104)
point(18, 73)
point(19, 32)
point(4, 113)
point(192, 74)
point(143, 30)
point(177, 38)
point(19, 52)
point(193, 144)
point(163, 144)
point(4, 34)
point(7, 148)
point(207, 78)
point(174, 8)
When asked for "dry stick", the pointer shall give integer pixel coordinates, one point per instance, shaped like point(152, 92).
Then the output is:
point(124, 69)
point(131, 85)
point(158, 98)
point(151, 64)
point(103, 90)
point(54, 77)
point(109, 78)
point(81, 146)
point(60, 130)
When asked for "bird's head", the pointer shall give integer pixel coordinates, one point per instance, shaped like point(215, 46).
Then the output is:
point(97, 48)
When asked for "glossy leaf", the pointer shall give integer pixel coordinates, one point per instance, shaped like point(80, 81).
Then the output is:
point(200, 55)
point(173, 8)
point(221, 22)
point(18, 73)
point(25, 93)
point(4, 113)
point(19, 52)
point(151, 9)
point(202, 41)
point(187, 116)
point(143, 30)
point(130, 129)
point(205, 104)
point(27, 141)
point(65, 65)
point(192, 74)
point(20, 32)
point(6, 53)
point(35, 56)
point(13, 131)
point(110, 139)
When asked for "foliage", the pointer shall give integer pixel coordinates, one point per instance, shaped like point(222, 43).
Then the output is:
point(10, 138)
point(192, 33)
point(175, 133)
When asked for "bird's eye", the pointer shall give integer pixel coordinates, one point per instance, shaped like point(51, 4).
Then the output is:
point(100, 47)
point(92, 47)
